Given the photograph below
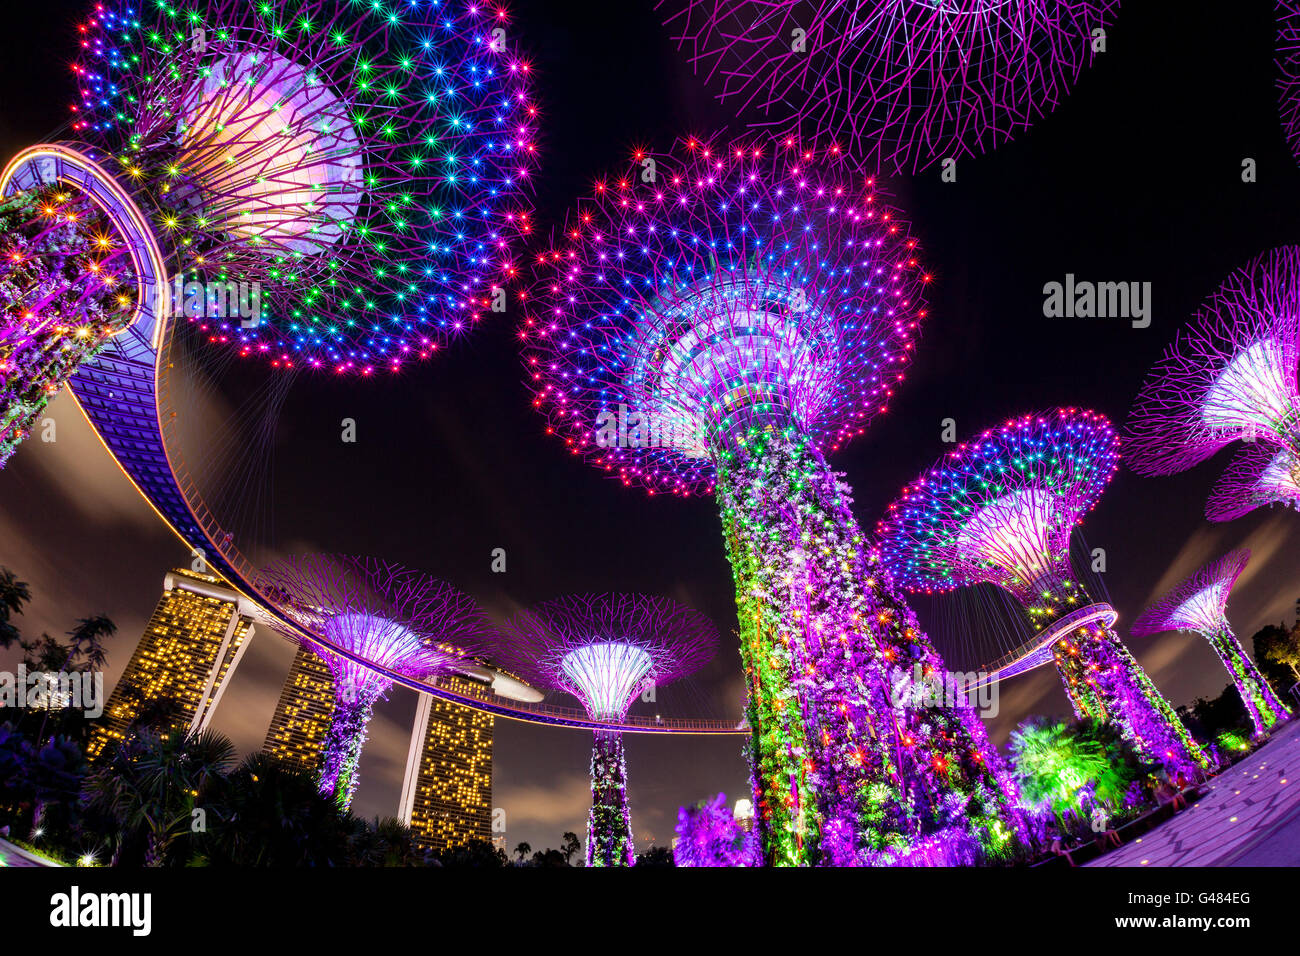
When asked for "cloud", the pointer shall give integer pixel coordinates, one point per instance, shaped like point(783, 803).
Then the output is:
point(562, 804)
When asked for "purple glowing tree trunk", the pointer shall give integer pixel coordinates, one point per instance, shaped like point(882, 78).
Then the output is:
point(1199, 604)
point(605, 649)
point(65, 288)
point(1000, 510)
point(609, 822)
point(899, 84)
point(386, 615)
point(718, 322)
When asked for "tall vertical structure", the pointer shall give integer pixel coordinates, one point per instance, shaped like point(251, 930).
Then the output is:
point(605, 650)
point(720, 322)
point(999, 510)
point(447, 789)
point(1200, 605)
point(187, 655)
point(384, 616)
point(303, 713)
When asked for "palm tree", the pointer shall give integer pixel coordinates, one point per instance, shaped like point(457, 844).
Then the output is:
point(51, 774)
point(155, 787)
point(86, 642)
point(14, 594)
point(522, 850)
point(269, 813)
point(570, 846)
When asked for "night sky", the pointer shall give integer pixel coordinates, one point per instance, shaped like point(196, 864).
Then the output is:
point(1136, 177)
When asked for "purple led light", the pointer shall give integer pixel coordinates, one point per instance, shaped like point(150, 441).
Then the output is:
point(387, 614)
point(899, 84)
point(1199, 604)
point(1230, 375)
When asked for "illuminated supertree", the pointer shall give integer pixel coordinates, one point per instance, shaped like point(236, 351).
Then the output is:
point(716, 322)
point(899, 84)
point(605, 650)
point(1258, 476)
point(321, 183)
point(383, 613)
point(1229, 375)
point(1199, 604)
point(1000, 510)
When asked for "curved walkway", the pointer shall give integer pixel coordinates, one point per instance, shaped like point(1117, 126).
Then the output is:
point(1249, 817)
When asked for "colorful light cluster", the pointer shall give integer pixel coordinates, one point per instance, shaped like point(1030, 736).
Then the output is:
point(706, 290)
point(758, 306)
point(1260, 475)
point(387, 615)
point(1000, 510)
point(1199, 604)
point(900, 84)
point(66, 286)
point(605, 650)
point(1229, 376)
point(708, 834)
point(367, 162)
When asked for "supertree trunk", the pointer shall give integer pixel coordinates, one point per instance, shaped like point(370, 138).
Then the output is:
point(1261, 702)
point(609, 825)
point(1074, 677)
point(1127, 697)
point(849, 767)
point(61, 293)
point(339, 773)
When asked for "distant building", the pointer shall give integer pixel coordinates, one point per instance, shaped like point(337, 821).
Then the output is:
point(447, 790)
point(184, 660)
point(303, 713)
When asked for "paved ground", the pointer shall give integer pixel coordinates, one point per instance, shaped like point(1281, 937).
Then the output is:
point(1250, 817)
point(12, 856)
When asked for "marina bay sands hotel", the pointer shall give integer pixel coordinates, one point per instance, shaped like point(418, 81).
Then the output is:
point(188, 654)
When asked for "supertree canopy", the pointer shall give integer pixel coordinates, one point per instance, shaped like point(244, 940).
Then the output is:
point(605, 650)
point(384, 614)
point(1259, 475)
point(1230, 375)
point(1000, 510)
point(1199, 604)
point(900, 84)
point(1287, 56)
point(320, 183)
point(715, 322)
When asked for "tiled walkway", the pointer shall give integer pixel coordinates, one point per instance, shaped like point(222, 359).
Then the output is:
point(1249, 817)
point(11, 855)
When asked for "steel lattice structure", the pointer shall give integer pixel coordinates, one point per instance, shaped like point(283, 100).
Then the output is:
point(1200, 604)
point(716, 321)
point(899, 84)
point(605, 650)
point(1258, 476)
point(366, 162)
point(1000, 510)
point(384, 614)
point(1287, 61)
point(319, 183)
point(1230, 374)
